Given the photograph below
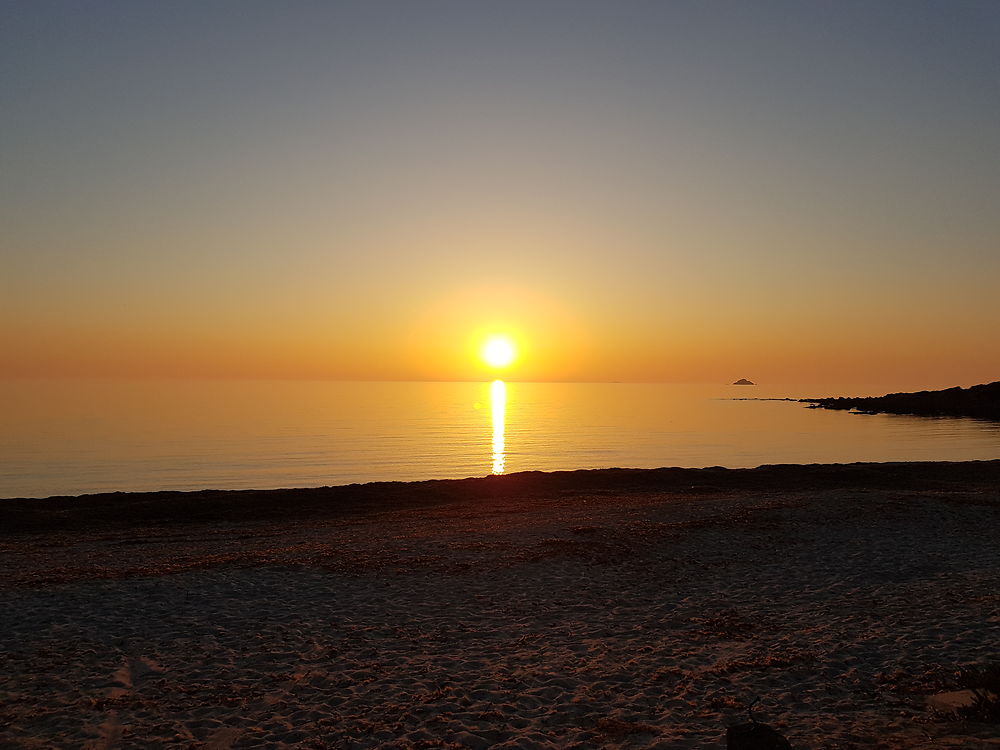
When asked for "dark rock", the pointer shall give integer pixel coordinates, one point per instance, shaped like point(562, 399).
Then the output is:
point(744, 381)
point(755, 736)
point(981, 401)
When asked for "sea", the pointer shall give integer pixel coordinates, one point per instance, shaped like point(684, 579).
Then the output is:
point(71, 437)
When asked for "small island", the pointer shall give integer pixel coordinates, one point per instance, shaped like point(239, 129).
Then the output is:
point(744, 381)
point(981, 401)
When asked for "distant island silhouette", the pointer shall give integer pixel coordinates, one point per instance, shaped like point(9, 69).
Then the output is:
point(982, 401)
point(744, 381)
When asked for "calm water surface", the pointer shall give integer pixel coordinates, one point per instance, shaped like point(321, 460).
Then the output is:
point(73, 437)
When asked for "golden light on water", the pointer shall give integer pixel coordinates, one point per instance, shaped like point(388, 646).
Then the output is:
point(498, 400)
point(498, 351)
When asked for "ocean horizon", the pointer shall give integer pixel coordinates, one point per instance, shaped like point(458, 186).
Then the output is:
point(71, 437)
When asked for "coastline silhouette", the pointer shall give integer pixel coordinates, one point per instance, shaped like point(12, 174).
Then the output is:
point(981, 401)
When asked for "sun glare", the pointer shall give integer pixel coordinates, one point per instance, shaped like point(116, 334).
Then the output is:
point(498, 351)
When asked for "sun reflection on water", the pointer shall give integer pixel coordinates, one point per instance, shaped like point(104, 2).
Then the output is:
point(498, 400)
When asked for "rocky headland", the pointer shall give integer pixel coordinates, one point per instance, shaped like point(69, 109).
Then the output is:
point(981, 401)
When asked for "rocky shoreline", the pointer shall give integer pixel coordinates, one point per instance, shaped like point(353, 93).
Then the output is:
point(979, 401)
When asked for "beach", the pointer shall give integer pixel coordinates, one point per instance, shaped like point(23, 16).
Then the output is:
point(606, 608)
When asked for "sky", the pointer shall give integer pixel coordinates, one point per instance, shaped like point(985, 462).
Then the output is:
point(639, 191)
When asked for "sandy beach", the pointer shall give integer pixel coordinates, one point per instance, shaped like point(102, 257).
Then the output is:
point(613, 608)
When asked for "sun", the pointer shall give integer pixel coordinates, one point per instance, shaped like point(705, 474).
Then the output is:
point(498, 351)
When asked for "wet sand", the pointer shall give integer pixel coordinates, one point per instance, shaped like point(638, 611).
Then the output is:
point(610, 608)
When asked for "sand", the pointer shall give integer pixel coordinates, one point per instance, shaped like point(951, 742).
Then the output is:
point(589, 609)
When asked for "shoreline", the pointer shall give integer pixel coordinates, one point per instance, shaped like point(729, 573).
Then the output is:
point(19, 514)
point(606, 608)
point(980, 402)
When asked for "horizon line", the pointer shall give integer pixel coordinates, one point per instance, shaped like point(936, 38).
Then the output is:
point(486, 379)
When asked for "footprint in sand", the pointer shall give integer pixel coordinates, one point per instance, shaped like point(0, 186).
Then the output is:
point(122, 683)
point(131, 673)
point(223, 739)
point(109, 734)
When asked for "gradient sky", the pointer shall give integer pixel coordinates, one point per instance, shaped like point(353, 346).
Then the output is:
point(656, 191)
